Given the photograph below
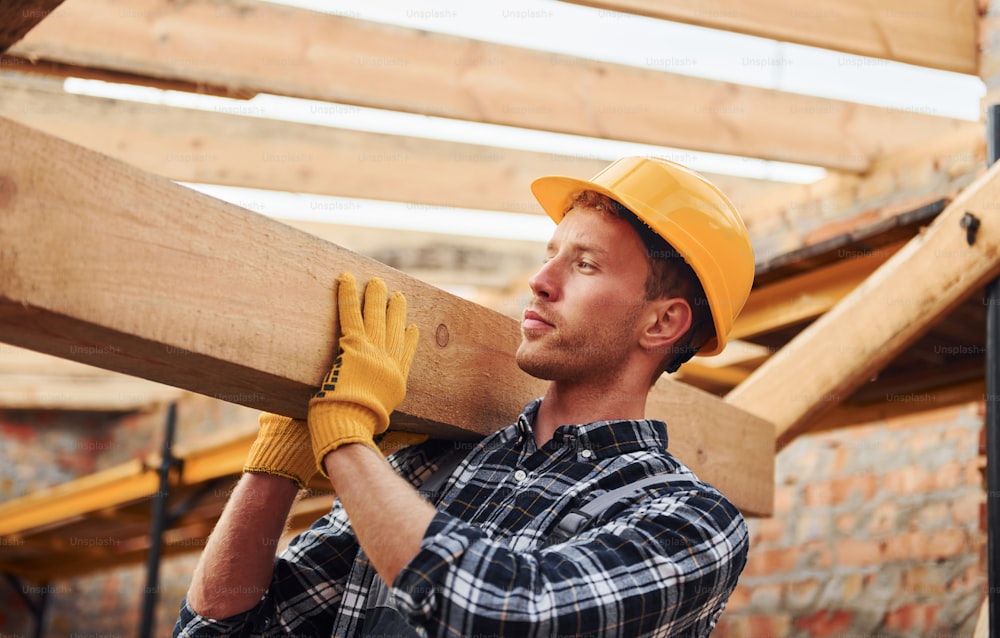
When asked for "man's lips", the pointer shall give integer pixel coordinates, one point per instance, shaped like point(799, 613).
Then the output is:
point(534, 321)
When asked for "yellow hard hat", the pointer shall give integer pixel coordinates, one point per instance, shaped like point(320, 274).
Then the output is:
point(687, 211)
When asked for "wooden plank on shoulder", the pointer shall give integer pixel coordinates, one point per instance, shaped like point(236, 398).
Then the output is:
point(114, 267)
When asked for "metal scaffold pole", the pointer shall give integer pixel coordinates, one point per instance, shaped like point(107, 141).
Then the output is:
point(991, 300)
point(160, 523)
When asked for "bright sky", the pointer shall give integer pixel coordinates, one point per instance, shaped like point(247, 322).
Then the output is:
point(585, 32)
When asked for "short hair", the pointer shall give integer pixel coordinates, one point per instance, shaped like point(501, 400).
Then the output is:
point(669, 276)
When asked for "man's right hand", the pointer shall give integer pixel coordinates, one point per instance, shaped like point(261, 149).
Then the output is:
point(282, 448)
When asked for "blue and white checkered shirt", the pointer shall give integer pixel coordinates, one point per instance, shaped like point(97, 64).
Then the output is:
point(661, 565)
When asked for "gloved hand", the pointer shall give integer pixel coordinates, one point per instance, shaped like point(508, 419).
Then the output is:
point(368, 377)
point(283, 448)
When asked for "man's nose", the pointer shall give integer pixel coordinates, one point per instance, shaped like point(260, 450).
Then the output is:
point(544, 282)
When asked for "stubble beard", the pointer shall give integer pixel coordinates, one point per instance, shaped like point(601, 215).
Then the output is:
point(578, 357)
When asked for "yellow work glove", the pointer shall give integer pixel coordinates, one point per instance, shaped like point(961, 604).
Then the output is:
point(368, 377)
point(282, 448)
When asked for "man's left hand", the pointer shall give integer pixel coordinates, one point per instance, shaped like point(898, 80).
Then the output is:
point(368, 378)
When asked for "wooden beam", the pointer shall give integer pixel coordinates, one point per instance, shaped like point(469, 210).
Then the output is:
point(942, 34)
point(18, 17)
point(34, 381)
point(112, 393)
point(848, 414)
point(136, 274)
point(339, 59)
point(701, 375)
point(121, 484)
point(807, 296)
point(982, 629)
point(784, 220)
point(235, 149)
point(925, 279)
point(437, 258)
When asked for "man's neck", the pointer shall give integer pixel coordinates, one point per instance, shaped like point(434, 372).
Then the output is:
point(572, 404)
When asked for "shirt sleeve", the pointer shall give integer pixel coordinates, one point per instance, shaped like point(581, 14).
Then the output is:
point(305, 589)
point(310, 574)
point(665, 565)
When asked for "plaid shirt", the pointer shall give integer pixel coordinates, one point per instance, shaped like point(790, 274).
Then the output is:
point(663, 565)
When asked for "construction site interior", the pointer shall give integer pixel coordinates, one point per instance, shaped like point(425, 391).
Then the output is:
point(180, 182)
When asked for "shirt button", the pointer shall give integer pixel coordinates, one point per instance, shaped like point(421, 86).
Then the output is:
point(587, 454)
point(520, 475)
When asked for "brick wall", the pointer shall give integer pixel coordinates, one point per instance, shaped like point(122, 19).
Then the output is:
point(44, 448)
point(877, 532)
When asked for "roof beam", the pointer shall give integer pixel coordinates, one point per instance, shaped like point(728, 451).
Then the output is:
point(111, 393)
point(18, 17)
point(784, 220)
point(921, 282)
point(942, 34)
point(849, 414)
point(339, 59)
point(139, 275)
point(234, 149)
point(485, 263)
point(35, 381)
point(808, 295)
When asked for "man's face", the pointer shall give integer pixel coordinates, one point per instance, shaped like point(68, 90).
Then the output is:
point(582, 323)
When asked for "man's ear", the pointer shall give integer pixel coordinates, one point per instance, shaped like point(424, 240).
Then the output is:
point(668, 321)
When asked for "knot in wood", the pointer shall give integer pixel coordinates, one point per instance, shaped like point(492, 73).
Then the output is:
point(441, 335)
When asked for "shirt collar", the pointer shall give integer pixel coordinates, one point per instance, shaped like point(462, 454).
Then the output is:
point(603, 438)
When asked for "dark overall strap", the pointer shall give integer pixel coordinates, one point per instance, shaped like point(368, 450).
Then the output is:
point(579, 519)
point(431, 488)
point(381, 618)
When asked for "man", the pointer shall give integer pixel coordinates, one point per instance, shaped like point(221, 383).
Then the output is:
point(649, 263)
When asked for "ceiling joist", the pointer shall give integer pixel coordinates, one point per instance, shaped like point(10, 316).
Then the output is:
point(942, 34)
point(18, 17)
point(231, 149)
point(344, 60)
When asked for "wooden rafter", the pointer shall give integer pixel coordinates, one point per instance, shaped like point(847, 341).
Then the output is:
point(235, 148)
point(34, 381)
point(18, 17)
point(943, 397)
point(792, 217)
point(234, 305)
point(340, 59)
point(807, 296)
point(942, 34)
point(925, 279)
point(438, 258)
